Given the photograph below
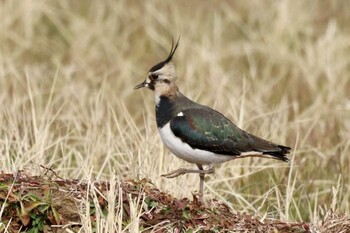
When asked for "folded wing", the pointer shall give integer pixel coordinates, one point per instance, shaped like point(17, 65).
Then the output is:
point(207, 129)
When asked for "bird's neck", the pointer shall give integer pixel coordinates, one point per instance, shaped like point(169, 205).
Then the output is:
point(167, 107)
point(170, 91)
point(165, 110)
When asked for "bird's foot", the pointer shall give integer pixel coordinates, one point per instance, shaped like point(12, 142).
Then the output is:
point(210, 170)
point(183, 171)
point(198, 199)
point(176, 173)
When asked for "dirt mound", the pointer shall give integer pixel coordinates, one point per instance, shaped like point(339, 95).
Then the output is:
point(38, 203)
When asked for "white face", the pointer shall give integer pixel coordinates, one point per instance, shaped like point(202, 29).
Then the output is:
point(167, 74)
point(161, 81)
point(161, 77)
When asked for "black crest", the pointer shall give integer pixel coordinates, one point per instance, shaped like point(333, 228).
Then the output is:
point(170, 56)
point(172, 50)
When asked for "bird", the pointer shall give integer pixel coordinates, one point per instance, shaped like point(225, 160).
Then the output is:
point(197, 133)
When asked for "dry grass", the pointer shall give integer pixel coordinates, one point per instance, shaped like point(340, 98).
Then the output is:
point(280, 69)
point(48, 203)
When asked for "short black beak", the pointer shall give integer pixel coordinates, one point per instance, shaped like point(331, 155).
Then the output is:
point(143, 84)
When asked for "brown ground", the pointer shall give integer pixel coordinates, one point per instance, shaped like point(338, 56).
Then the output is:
point(44, 203)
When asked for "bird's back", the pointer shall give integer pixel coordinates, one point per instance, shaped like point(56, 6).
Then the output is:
point(203, 128)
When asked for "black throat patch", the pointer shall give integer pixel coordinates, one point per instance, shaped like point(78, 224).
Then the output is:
point(165, 111)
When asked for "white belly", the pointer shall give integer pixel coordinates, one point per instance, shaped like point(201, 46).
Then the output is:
point(187, 153)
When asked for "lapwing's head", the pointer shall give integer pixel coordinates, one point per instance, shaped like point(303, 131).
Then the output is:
point(161, 78)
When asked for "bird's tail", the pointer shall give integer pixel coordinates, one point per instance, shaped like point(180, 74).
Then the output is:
point(281, 154)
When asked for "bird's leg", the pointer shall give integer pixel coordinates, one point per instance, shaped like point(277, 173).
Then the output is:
point(210, 170)
point(201, 173)
point(183, 171)
point(201, 183)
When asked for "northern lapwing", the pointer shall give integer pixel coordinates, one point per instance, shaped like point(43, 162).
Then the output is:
point(197, 133)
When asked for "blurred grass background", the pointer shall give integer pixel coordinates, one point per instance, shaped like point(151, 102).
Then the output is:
point(279, 69)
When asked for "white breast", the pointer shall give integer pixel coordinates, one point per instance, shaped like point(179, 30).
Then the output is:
point(186, 152)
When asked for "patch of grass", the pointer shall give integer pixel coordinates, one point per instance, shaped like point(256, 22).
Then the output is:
point(140, 207)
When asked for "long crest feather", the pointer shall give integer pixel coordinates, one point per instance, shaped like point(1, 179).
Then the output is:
point(168, 59)
point(173, 49)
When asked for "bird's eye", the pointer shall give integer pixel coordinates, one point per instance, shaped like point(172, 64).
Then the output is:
point(153, 76)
